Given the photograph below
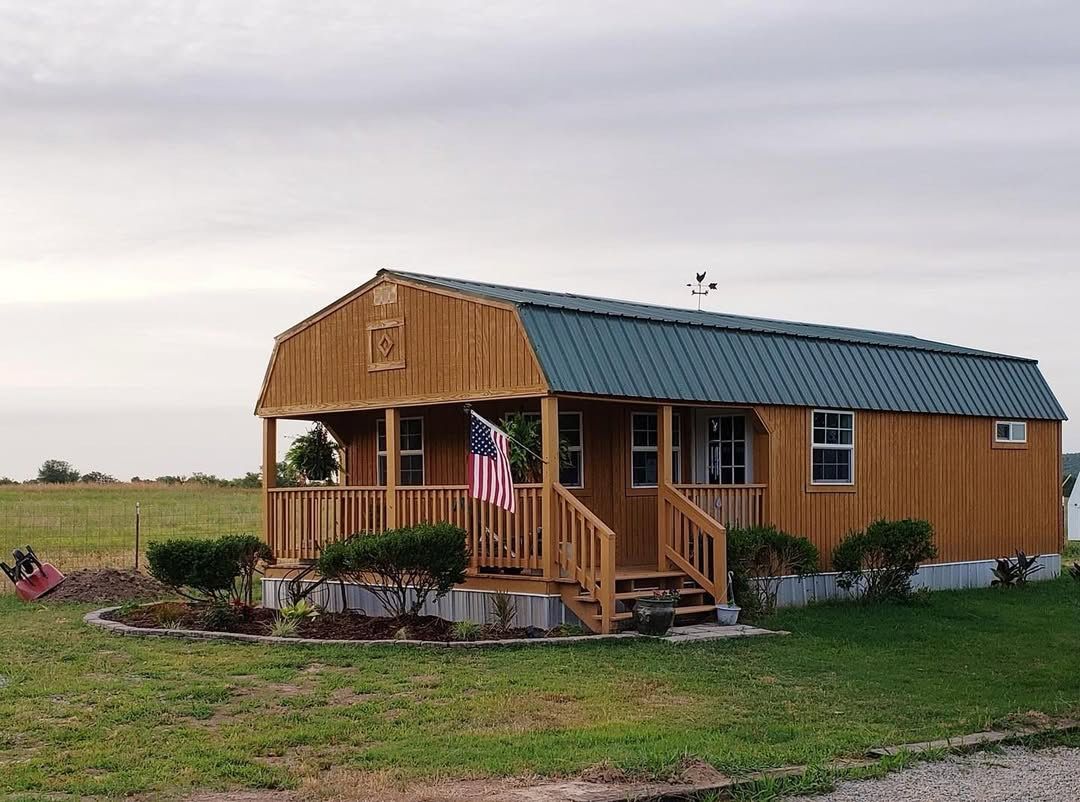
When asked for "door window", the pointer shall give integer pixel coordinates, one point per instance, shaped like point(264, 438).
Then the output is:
point(726, 462)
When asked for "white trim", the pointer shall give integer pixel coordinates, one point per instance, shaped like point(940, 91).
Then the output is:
point(412, 452)
point(676, 450)
point(1010, 424)
point(850, 447)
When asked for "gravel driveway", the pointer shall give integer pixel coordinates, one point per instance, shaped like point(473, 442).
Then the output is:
point(1016, 774)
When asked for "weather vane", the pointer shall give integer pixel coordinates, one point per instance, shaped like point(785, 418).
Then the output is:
point(702, 288)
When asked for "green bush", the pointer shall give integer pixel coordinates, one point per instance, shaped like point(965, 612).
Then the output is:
point(416, 561)
point(878, 563)
point(758, 557)
point(218, 571)
point(220, 617)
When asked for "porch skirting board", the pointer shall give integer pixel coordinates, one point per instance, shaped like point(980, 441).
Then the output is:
point(798, 591)
point(533, 609)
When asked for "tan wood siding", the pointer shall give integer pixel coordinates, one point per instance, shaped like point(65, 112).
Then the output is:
point(982, 502)
point(452, 347)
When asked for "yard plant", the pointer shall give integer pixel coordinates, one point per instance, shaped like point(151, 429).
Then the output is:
point(878, 563)
point(403, 568)
point(759, 556)
point(217, 571)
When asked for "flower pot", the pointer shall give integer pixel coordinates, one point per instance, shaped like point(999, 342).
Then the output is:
point(654, 616)
point(727, 614)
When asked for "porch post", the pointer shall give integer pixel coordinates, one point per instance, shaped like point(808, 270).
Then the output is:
point(269, 475)
point(393, 450)
point(663, 479)
point(549, 433)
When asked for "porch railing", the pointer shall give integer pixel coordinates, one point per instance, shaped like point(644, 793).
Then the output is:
point(301, 520)
point(693, 541)
point(731, 505)
point(585, 551)
point(497, 538)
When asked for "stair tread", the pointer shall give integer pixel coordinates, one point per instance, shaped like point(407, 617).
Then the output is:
point(639, 594)
point(645, 574)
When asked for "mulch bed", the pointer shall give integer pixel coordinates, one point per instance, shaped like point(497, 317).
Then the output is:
point(328, 626)
point(107, 584)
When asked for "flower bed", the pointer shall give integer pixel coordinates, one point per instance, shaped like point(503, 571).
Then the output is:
point(167, 616)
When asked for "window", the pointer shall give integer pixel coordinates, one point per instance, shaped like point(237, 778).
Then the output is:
point(833, 448)
point(411, 451)
point(1007, 431)
point(643, 467)
point(727, 450)
point(570, 432)
point(572, 474)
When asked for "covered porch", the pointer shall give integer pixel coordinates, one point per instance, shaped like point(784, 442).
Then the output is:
point(642, 495)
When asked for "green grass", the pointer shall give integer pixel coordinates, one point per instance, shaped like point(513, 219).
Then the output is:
point(89, 713)
point(93, 525)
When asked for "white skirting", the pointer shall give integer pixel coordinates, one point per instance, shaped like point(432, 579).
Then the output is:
point(544, 611)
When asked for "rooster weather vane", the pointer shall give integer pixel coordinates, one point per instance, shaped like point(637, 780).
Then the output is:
point(700, 285)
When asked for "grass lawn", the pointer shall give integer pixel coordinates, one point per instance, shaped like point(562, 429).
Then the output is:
point(79, 526)
point(89, 713)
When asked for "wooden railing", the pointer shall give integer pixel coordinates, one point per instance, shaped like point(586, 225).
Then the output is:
point(585, 551)
point(301, 520)
point(693, 541)
point(731, 505)
point(497, 538)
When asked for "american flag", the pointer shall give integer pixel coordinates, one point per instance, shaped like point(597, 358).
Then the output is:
point(489, 464)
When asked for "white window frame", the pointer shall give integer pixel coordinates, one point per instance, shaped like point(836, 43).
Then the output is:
point(380, 456)
point(676, 448)
point(580, 448)
point(1011, 424)
point(833, 447)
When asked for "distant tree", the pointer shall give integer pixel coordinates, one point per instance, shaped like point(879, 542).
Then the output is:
point(286, 475)
point(98, 478)
point(249, 479)
point(206, 479)
point(4, 480)
point(169, 480)
point(57, 472)
point(313, 455)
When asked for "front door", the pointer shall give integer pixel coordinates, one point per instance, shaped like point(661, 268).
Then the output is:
point(722, 456)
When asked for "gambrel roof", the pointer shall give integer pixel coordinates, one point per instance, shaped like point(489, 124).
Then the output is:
point(599, 346)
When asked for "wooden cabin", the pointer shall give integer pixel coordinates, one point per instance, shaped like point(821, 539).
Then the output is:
point(678, 424)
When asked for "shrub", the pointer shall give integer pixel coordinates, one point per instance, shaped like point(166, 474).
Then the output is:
point(416, 561)
point(1012, 571)
point(878, 563)
point(467, 630)
point(759, 556)
point(283, 627)
point(1074, 571)
point(220, 617)
point(502, 611)
point(219, 571)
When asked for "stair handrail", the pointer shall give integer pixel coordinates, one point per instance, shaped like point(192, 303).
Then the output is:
point(713, 530)
point(603, 590)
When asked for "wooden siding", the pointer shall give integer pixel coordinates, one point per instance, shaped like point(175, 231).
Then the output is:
point(452, 348)
point(983, 502)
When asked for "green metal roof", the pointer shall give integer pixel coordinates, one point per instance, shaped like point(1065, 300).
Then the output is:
point(598, 346)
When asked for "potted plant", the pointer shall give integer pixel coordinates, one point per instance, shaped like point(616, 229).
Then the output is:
point(727, 615)
point(655, 614)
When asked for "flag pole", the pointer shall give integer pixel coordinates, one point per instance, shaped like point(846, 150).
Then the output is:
point(469, 411)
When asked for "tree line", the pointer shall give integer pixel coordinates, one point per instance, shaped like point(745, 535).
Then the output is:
point(312, 458)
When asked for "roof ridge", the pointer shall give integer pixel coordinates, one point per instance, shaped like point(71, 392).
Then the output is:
point(723, 320)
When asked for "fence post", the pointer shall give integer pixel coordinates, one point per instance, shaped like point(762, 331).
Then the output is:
point(136, 536)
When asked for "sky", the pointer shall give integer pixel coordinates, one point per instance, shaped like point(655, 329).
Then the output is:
point(179, 182)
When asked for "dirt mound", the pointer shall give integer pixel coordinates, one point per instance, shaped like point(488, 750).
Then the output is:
point(107, 585)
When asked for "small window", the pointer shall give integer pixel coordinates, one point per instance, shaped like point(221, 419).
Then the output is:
point(1007, 431)
point(643, 465)
point(832, 460)
point(572, 474)
point(411, 451)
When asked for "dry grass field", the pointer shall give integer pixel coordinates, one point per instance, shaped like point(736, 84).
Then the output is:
point(81, 526)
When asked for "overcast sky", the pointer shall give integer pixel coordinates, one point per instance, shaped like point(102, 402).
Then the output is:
point(181, 181)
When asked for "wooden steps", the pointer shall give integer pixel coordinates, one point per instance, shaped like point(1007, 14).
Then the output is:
point(634, 595)
point(690, 609)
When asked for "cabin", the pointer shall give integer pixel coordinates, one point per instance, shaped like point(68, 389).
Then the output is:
point(675, 425)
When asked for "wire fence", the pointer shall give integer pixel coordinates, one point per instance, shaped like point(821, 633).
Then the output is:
point(111, 528)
